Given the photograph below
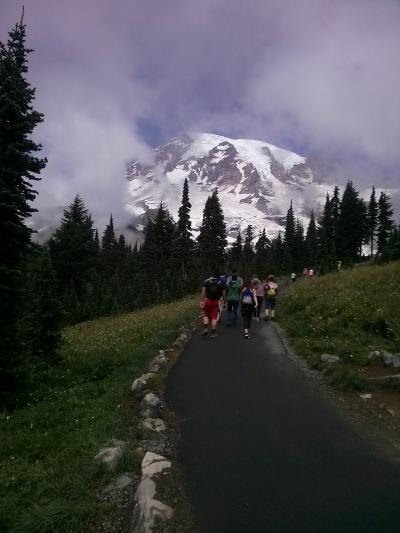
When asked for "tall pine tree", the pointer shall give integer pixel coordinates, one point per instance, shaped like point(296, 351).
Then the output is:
point(385, 220)
point(19, 167)
point(372, 219)
point(212, 238)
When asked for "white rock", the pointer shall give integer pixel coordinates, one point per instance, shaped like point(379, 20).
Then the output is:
point(372, 356)
point(396, 360)
point(152, 428)
point(150, 400)
point(155, 368)
point(161, 360)
point(387, 358)
point(153, 464)
point(138, 385)
point(148, 509)
point(331, 359)
point(121, 482)
point(110, 457)
point(366, 396)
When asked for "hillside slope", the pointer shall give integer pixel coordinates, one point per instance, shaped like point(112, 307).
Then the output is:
point(348, 313)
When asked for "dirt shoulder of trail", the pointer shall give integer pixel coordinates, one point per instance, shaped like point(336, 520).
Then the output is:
point(376, 411)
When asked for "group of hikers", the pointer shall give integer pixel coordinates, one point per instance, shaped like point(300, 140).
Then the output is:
point(230, 293)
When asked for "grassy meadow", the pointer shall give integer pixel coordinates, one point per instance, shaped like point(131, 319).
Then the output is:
point(48, 481)
point(348, 313)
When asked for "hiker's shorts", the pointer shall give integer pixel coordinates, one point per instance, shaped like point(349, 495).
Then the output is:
point(270, 303)
point(211, 309)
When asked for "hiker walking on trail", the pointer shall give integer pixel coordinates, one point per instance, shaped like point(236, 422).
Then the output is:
point(211, 293)
point(271, 292)
point(248, 301)
point(259, 287)
point(233, 289)
point(293, 277)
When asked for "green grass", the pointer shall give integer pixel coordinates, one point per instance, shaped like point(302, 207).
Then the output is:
point(348, 313)
point(48, 481)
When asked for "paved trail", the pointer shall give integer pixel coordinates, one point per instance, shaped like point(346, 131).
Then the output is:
point(264, 451)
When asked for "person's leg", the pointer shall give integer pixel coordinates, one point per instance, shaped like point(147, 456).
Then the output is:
point(205, 320)
point(259, 305)
point(235, 306)
point(267, 308)
point(214, 317)
point(247, 316)
point(230, 309)
point(273, 305)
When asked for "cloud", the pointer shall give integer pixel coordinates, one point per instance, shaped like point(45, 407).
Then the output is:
point(315, 76)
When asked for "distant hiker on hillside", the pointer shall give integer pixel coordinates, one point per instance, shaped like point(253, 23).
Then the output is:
point(311, 273)
point(233, 289)
point(293, 277)
point(212, 291)
point(248, 301)
point(259, 288)
point(271, 292)
point(305, 273)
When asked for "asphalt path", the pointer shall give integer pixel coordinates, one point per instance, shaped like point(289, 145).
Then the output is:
point(264, 450)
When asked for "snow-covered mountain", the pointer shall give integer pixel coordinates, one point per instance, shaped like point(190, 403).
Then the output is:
point(256, 182)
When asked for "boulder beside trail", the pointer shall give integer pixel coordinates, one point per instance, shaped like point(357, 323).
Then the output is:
point(110, 457)
point(330, 359)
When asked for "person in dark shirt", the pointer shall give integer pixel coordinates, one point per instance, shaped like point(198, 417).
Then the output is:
point(211, 293)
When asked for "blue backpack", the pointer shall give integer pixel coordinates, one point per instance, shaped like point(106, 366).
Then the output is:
point(247, 297)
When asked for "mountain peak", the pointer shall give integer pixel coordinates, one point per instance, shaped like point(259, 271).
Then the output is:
point(256, 181)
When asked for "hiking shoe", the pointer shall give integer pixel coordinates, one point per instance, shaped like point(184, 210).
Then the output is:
point(228, 324)
point(266, 319)
point(257, 319)
point(204, 332)
point(246, 336)
point(214, 335)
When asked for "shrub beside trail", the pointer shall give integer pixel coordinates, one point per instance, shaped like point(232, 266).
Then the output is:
point(348, 313)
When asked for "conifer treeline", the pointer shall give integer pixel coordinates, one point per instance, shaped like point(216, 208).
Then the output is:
point(336, 239)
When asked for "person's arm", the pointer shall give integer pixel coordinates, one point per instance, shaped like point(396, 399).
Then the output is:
point(224, 296)
point(255, 298)
point(202, 296)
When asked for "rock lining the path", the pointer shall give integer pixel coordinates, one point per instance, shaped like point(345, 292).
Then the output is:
point(330, 359)
point(110, 457)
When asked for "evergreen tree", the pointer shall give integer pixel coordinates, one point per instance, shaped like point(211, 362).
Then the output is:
point(352, 225)
point(248, 252)
point(42, 311)
point(391, 250)
point(335, 215)
point(262, 254)
point(183, 245)
point(372, 219)
point(73, 248)
point(299, 246)
point(385, 220)
point(156, 253)
point(19, 167)
point(326, 237)
point(109, 252)
point(289, 240)
point(236, 252)
point(212, 238)
point(311, 243)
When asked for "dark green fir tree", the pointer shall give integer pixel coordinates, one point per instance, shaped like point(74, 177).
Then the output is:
point(372, 219)
point(212, 238)
point(385, 220)
point(19, 167)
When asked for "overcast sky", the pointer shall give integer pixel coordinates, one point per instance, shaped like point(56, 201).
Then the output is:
point(117, 77)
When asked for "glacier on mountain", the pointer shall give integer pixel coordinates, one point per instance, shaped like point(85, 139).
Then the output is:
point(256, 182)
